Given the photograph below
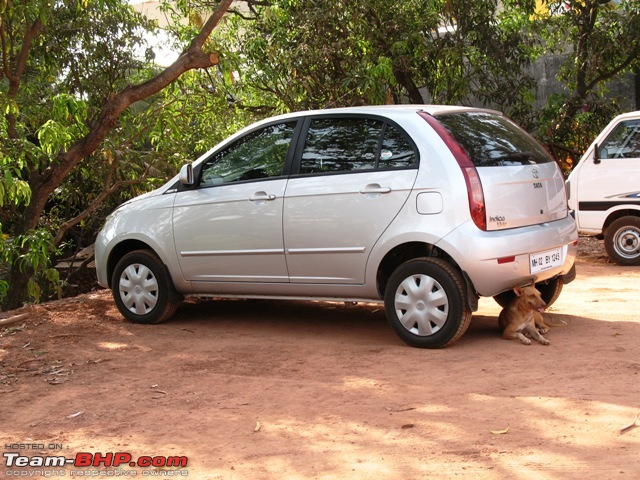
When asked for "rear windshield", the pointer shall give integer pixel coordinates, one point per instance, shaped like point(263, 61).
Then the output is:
point(492, 140)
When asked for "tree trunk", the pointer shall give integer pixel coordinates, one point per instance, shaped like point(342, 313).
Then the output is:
point(404, 78)
point(18, 281)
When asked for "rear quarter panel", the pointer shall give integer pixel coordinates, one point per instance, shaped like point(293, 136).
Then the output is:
point(452, 230)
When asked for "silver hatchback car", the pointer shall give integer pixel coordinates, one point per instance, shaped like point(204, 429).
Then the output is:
point(425, 208)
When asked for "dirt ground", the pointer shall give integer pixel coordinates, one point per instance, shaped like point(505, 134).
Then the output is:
point(305, 390)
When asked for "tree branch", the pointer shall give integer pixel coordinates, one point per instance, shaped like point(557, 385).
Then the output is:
point(209, 25)
point(3, 45)
point(193, 58)
point(15, 77)
point(613, 72)
point(93, 206)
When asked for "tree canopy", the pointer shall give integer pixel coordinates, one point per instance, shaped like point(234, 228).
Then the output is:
point(600, 41)
point(303, 54)
point(69, 72)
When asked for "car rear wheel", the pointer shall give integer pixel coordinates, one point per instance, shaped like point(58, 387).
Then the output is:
point(425, 303)
point(549, 290)
point(142, 288)
point(622, 241)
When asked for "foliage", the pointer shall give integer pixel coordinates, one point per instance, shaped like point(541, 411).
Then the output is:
point(202, 107)
point(601, 42)
point(31, 254)
point(95, 142)
point(60, 61)
point(295, 54)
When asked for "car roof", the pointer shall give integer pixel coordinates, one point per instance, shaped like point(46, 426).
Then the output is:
point(386, 110)
point(627, 116)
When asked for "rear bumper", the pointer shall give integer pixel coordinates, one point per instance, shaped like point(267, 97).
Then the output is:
point(500, 260)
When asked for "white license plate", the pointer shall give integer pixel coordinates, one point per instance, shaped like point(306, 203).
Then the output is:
point(539, 262)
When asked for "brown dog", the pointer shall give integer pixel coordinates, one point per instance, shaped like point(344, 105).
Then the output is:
point(523, 315)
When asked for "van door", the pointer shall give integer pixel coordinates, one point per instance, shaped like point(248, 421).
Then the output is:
point(611, 179)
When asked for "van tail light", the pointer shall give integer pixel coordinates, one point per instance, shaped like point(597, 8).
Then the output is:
point(472, 179)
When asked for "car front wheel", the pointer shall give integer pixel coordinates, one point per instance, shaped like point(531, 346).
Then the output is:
point(622, 241)
point(425, 303)
point(142, 288)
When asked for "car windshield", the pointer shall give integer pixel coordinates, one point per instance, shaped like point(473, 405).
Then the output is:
point(492, 140)
point(624, 141)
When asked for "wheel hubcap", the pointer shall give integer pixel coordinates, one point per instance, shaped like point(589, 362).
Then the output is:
point(138, 289)
point(627, 243)
point(421, 305)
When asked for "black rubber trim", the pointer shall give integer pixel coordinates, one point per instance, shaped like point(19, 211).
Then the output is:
point(569, 276)
point(604, 206)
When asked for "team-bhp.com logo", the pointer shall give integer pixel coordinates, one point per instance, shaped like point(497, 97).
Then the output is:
point(117, 460)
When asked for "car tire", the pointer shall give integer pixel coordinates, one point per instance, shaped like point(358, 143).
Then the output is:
point(425, 303)
point(549, 290)
point(142, 288)
point(622, 241)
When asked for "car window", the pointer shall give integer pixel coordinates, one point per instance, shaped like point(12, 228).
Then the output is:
point(354, 144)
point(259, 154)
point(396, 150)
point(623, 142)
point(492, 140)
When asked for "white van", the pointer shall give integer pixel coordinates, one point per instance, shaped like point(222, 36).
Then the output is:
point(604, 189)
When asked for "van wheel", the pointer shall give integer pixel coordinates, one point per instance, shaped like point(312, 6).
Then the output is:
point(549, 290)
point(425, 303)
point(622, 241)
point(142, 288)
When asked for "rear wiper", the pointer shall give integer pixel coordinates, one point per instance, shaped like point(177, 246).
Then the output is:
point(522, 158)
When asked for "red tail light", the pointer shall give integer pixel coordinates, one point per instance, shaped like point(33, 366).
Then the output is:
point(471, 177)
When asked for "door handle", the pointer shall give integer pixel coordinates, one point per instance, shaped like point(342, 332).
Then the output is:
point(262, 197)
point(374, 188)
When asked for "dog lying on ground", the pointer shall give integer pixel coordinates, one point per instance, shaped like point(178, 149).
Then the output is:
point(524, 316)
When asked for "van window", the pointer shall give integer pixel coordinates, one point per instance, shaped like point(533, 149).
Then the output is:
point(623, 142)
point(492, 140)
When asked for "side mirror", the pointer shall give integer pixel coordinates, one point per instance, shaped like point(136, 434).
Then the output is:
point(597, 154)
point(186, 175)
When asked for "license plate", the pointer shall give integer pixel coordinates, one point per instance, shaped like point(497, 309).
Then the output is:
point(539, 262)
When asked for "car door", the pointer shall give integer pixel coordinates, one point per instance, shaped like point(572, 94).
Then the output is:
point(354, 174)
point(229, 227)
point(611, 179)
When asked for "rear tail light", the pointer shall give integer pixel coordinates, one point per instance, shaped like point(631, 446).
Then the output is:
point(471, 177)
